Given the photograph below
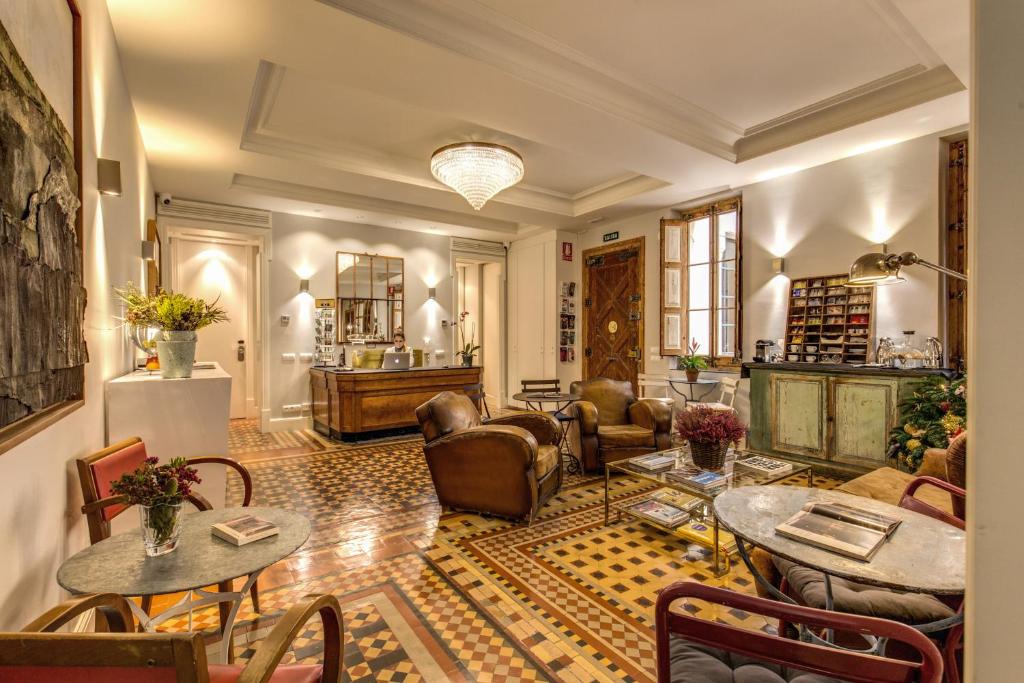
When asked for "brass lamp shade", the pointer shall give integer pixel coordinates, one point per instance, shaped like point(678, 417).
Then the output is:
point(875, 269)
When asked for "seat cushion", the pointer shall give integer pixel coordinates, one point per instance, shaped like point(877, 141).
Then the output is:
point(857, 598)
point(109, 469)
point(887, 485)
point(625, 436)
point(690, 662)
point(547, 460)
point(296, 673)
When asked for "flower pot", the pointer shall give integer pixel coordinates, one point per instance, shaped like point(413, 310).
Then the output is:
point(467, 360)
point(161, 527)
point(177, 353)
point(692, 375)
point(709, 456)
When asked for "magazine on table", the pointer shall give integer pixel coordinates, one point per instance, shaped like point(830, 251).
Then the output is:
point(840, 528)
point(701, 480)
point(758, 464)
point(244, 529)
point(654, 461)
point(677, 499)
point(662, 513)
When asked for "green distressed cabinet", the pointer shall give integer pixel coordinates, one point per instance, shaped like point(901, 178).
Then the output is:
point(835, 416)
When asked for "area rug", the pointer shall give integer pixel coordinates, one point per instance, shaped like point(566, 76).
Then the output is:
point(465, 597)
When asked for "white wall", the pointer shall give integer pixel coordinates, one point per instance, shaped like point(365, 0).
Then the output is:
point(306, 247)
point(40, 519)
point(820, 220)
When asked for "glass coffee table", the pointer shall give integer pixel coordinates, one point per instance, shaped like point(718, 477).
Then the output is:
point(702, 527)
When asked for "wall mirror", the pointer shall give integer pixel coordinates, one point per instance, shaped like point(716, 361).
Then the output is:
point(371, 292)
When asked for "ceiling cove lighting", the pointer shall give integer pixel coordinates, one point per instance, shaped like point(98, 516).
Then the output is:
point(477, 170)
point(877, 268)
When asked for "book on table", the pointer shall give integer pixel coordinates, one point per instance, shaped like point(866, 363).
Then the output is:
point(244, 529)
point(840, 528)
point(654, 461)
point(758, 464)
point(657, 511)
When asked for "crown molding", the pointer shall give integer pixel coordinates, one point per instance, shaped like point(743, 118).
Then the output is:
point(260, 137)
point(347, 200)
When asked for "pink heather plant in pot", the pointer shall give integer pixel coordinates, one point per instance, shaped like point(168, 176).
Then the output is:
point(709, 432)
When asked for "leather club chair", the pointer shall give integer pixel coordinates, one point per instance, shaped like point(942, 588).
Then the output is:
point(615, 424)
point(508, 467)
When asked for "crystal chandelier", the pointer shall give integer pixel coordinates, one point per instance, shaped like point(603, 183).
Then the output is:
point(477, 170)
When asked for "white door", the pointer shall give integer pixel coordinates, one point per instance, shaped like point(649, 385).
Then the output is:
point(211, 271)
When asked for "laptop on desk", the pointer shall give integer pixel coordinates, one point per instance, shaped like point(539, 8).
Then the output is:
point(395, 360)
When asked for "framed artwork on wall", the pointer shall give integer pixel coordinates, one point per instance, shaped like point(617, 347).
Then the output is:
point(42, 287)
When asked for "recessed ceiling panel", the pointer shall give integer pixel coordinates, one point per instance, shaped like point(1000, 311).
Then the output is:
point(747, 61)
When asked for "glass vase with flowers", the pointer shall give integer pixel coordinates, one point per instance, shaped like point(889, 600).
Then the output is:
point(709, 432)
point(160, 492)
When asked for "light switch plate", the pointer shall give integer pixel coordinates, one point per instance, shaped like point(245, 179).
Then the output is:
point(285, 319)
point(288, 357)
point(306, 357)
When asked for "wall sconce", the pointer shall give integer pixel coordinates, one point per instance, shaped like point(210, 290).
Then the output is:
point(431, 293)
point(778, 265)
point(149, 250)
point(303, 286)
point(108, 177)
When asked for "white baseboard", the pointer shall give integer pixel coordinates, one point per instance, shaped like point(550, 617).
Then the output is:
point(284, 424)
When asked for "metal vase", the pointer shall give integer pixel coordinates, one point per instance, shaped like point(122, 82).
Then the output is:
point(177, 353)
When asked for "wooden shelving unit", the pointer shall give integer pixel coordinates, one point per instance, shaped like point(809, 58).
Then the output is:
point(829, 322)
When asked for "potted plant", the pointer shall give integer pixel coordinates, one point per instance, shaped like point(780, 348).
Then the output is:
point(691, 362)
point(160, 492)
point(466, 348)
point(709, 432)
point(178, 317)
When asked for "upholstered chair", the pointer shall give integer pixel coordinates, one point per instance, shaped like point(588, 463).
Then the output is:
point(113, 653)
point(508, 467)
point(614, 424)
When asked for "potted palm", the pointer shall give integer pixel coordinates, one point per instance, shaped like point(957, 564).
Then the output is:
point(160, 492)
point(178, 317)
point(691, 362)
point(709, 432)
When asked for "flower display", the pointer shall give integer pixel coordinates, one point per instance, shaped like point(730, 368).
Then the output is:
point(933, 416)
point(701, 424)
point(152, 484)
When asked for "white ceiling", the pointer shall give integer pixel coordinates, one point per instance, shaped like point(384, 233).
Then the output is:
point(333, 107)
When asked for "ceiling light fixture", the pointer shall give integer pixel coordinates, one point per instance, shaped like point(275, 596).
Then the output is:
point(477, 170)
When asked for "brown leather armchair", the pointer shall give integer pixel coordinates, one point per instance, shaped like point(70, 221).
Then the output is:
point(614, 424)
point(508, 467)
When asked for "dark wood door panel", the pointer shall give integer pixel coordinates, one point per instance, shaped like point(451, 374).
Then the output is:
point(613, 311)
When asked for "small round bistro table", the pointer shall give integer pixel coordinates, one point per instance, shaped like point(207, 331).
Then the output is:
point(119, 564)
point(535, 400)
point(688, 397)
point(923, 555)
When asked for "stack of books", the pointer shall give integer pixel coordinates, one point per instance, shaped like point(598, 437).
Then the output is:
point(840, 528)
point(658, 512)
point(695, 478)
point(654, 462)
point(244, 529)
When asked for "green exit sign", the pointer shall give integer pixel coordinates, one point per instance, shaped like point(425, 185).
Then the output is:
point(611, 236)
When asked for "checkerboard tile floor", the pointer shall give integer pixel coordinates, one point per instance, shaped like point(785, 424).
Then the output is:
point(463, 597)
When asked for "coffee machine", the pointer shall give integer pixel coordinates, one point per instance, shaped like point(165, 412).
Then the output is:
point(763, 350)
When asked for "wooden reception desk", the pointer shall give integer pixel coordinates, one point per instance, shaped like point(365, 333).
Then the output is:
point(347, 404)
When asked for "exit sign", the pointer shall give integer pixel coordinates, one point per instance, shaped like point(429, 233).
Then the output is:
point(611, 236)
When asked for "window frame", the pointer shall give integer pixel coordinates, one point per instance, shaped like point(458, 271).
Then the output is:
point(674, 263)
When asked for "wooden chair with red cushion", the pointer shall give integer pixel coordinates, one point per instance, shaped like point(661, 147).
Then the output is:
point(97, 473)
point(694, 649)
point(114, 654)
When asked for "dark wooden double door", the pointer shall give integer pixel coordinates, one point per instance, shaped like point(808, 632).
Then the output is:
point(613, 308)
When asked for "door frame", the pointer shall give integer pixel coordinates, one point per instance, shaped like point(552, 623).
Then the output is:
point(257, 366)
point(637, 242)
point(460, 258)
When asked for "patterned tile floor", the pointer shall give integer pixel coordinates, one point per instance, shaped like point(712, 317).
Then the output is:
point(462, 597)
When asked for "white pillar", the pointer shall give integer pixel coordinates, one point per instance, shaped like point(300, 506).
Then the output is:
point(995, 605)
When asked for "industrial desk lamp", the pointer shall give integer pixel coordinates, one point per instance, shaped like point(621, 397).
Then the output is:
point(877, 268)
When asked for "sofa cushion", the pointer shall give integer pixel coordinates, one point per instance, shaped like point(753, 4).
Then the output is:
point(690, 662)
point(625, 436)
point(857, 598)
point(547, 460)
point(887, 485)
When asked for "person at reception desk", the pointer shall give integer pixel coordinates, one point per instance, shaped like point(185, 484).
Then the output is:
point(399, 343)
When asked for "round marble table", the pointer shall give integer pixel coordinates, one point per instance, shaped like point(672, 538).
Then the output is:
point(923, 555)
point(119, 564)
